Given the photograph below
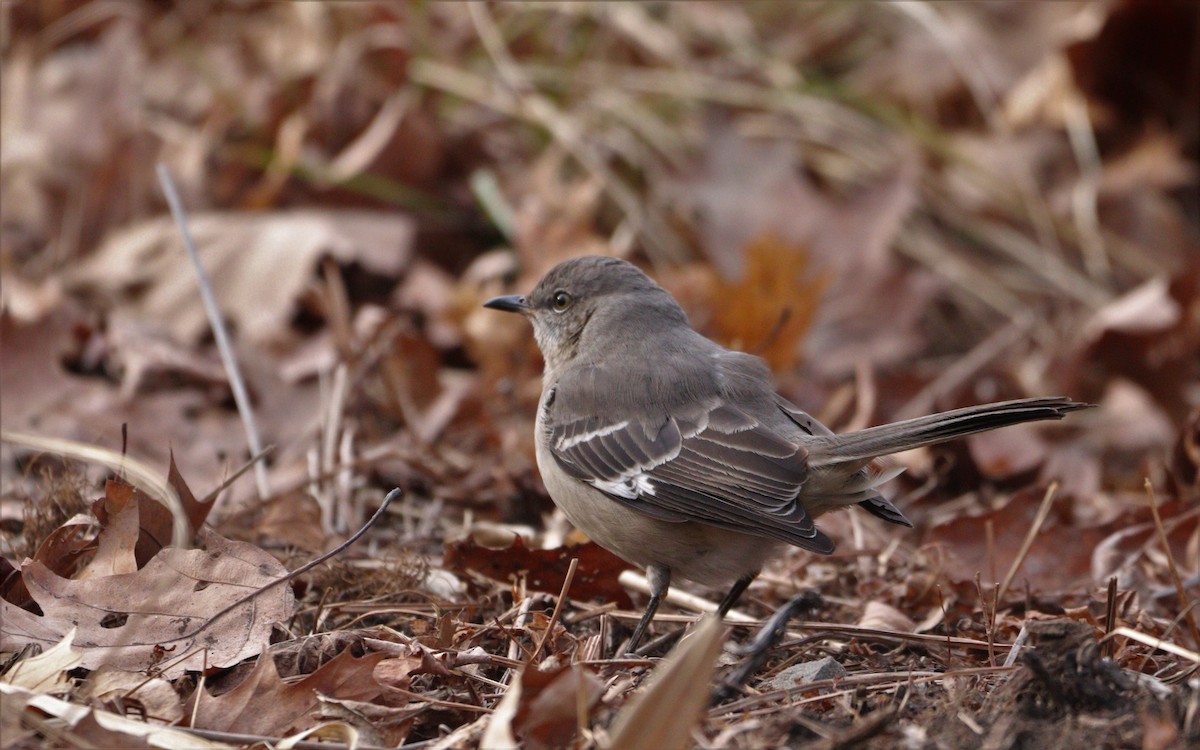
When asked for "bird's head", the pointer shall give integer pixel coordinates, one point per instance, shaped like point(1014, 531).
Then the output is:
point(573, 298)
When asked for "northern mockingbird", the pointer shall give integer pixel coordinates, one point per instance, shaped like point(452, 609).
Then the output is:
point(677, 454)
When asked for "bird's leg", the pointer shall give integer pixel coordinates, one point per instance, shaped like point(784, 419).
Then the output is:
point(660, 580)
point(731, 598)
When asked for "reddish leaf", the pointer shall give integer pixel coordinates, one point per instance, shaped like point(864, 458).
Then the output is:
point(264, 704)
point(596, 577)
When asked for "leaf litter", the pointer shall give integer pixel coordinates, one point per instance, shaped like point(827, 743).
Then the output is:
point(899, 207)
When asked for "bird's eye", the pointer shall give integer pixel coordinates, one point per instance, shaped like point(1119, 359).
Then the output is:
point(561, 301)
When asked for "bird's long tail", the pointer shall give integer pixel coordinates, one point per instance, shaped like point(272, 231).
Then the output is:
point(856, 448)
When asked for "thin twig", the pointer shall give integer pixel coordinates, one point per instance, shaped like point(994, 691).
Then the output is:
point(239, 471)
point(1110, 615)
point(1038, 520)
point(562, 597)
point(298, 571)
point(236, 383)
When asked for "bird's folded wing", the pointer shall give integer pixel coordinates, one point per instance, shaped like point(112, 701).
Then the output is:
point(706, 461)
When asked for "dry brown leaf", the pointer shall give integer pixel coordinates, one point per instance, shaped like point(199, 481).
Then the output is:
point(771, 306)
point(46, 672)
point(156, 615)
point(1004, 453)
point(61, 551)
point(883, 616)
point(662, 716)
point(258, 264)
point(540, 709)
point(550, 701)
point(544, 568)
point(118, 533)
point(1058, 560)
point(264, 704)
point(134, 693)
point(94, 728)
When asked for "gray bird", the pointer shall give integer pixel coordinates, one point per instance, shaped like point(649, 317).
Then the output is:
point(677, 454)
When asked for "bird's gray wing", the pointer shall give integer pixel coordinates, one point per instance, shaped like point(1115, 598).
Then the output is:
point(699, 458)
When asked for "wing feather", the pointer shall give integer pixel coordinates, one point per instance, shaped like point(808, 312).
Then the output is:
point(709, 462)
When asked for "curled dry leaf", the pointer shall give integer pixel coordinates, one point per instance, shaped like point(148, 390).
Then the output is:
point(159, 616)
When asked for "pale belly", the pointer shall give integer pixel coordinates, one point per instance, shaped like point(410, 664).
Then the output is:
point(693, 551)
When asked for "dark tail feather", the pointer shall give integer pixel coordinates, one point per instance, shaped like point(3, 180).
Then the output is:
point(881, 507)
point(864, 445)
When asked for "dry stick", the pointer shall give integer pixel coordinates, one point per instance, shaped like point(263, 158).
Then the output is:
point(1110, 616)
point(438, 701)
point(1160, 642)
point(1154, 642)
point(238, 472)
point(989, 536)
point(562, 596)
point(1162, 535)
point(301, 570)
point(236, 383)
point(991, 617)
point(1038, 520)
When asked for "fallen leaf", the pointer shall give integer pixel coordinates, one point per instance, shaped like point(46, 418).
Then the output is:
point(159, 616)
point(663, 714)
point(1058, 560)
point(46, 672)
point(770, 307)
point(100, 728)
point(264, 704)
point(1004, 453)
point(258, 264)
point(61, 551)
point(548, 714)
point(883, 616)
point(118, 533)
point(134, 693)
point(596, 577)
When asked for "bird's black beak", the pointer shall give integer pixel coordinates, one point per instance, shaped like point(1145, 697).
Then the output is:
point(509, 303)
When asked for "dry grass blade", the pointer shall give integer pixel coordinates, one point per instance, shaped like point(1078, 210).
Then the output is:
point(143, 476)
point(557, 608)
point(1035, 527)
point(1153, 642)
point(1162, 536)
point(663, 715)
